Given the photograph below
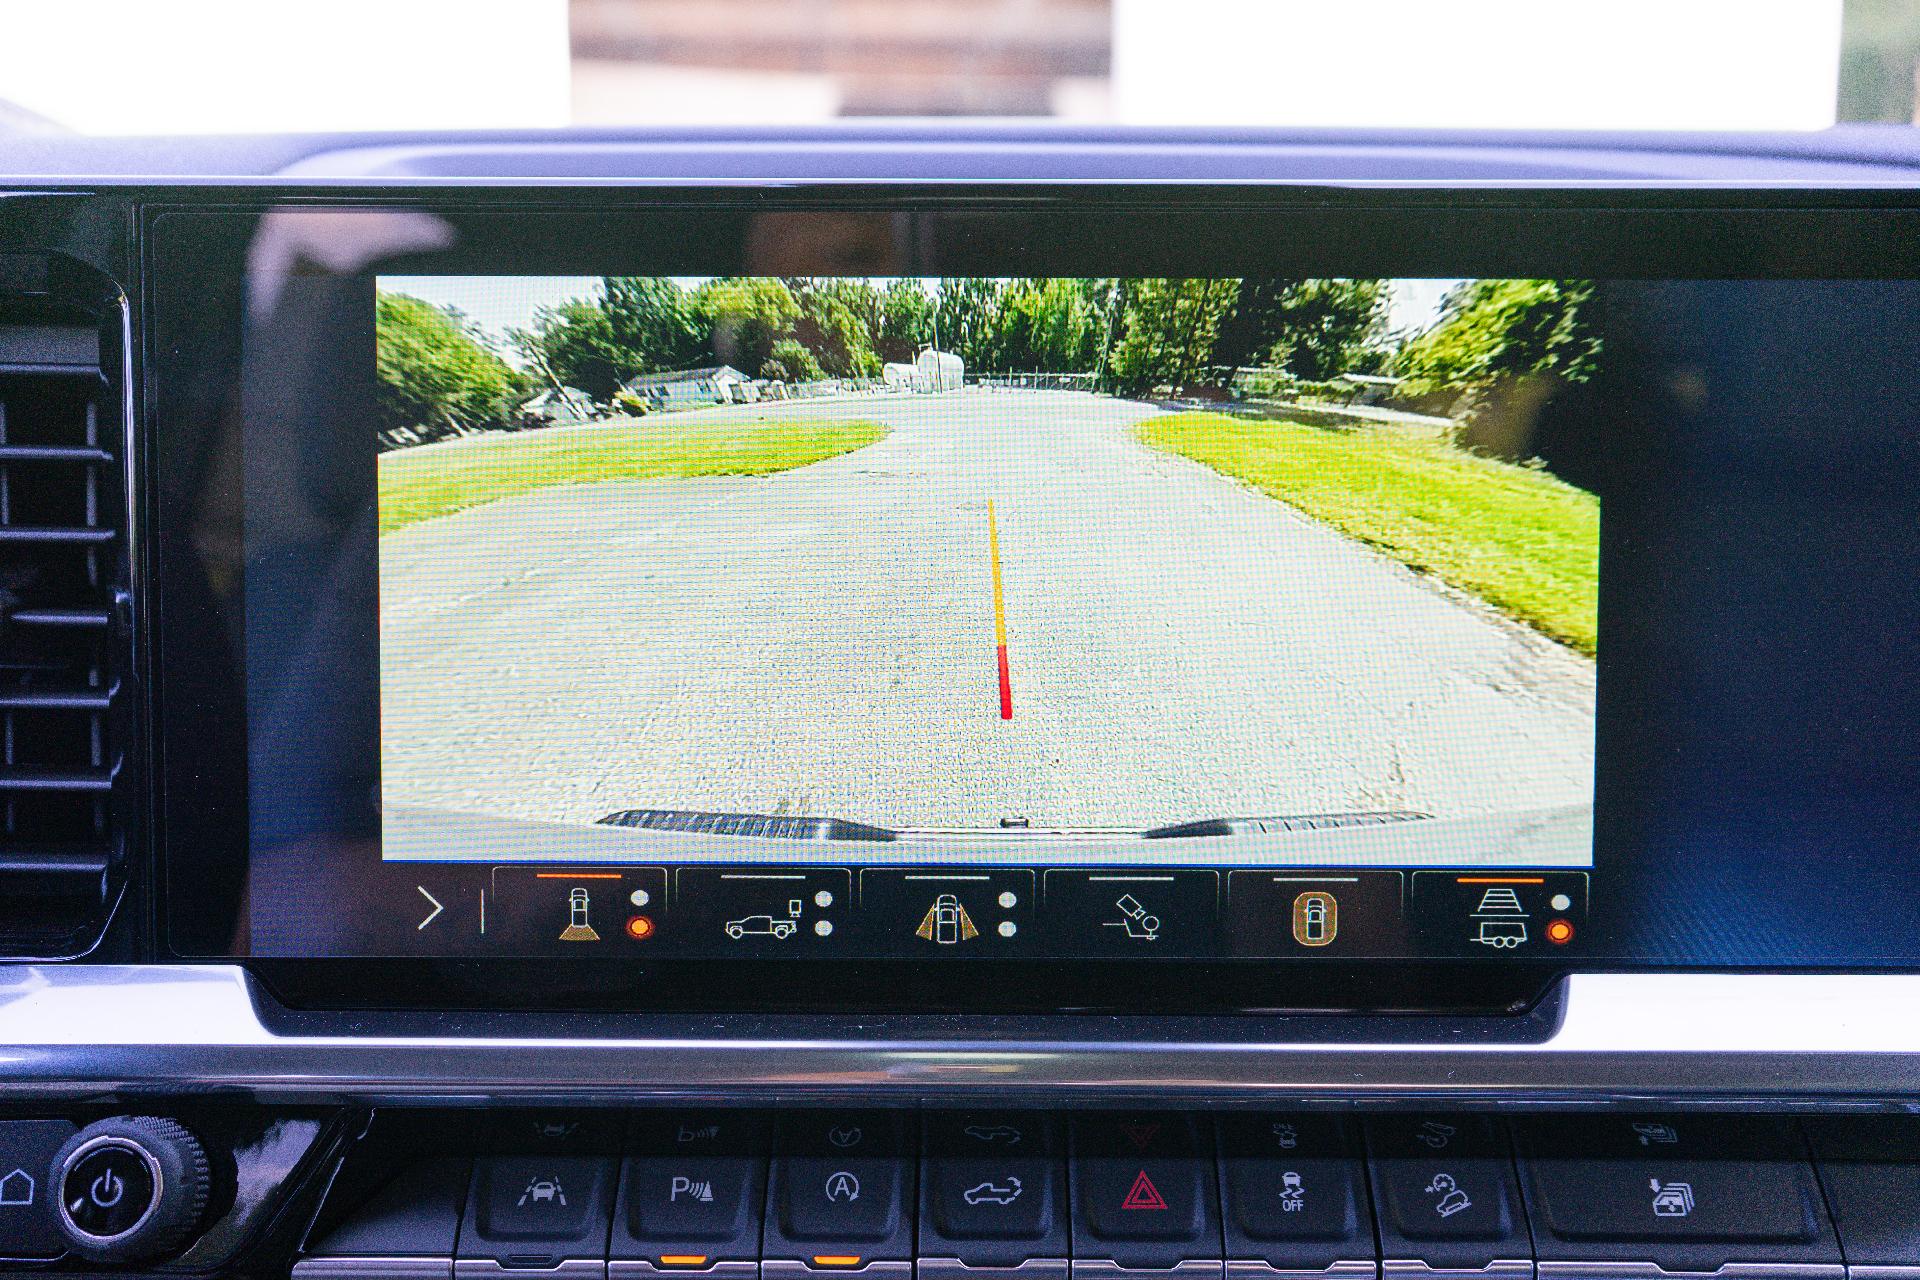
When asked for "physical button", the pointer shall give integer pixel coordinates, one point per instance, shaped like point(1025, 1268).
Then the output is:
point(131, 1188)
point(691, 1194)
point(109, 1190)
point(839, 1190)
point(1597, 1180)
point(533, 1211)
point(1293, 1191)
point(1687, 1193)
point(1143, 1192)
point(994, 1191)
point(1444, 1189)
point(416, 1214)
point(28, 1228)
point(1871, 1168)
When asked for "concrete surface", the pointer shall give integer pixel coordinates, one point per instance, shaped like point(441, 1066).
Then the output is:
point(821, 642)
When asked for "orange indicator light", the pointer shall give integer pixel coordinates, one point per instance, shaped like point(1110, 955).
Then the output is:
point(836, 1259)
point(640, 928)
point(683, 1259)
point(1559, 932)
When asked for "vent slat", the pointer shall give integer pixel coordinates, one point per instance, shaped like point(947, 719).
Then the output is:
point(56, 533)
point(81, 699)
point(55, 780)
point(61, 617)
point(51, 862)
point(53, 453)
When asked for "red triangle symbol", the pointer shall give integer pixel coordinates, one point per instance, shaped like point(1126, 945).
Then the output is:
point(1144, 1194)
point(1141, 1135)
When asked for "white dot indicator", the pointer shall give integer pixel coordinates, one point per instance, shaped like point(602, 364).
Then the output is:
point(1560, 902)
point(639, 897)
point(823, 927)
point(1008, 928)
point(823, 899)
point(1009, 900)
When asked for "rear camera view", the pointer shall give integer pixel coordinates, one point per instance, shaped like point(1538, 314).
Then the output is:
point(1027, 559)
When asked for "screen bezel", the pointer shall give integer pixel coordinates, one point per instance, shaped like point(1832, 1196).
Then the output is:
point(195, 256)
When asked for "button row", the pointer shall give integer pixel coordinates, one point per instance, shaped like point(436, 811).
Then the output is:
point(1130, 1197)
point(983, 912)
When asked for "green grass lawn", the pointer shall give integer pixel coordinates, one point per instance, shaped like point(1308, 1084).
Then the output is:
point(436, 480)
point(1515, 536)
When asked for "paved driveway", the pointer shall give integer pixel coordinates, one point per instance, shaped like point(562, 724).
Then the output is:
point(823, 642)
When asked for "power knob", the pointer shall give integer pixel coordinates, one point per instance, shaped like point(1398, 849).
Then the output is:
point(131, 1188)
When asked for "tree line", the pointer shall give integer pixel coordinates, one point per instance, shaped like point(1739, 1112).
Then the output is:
point(1131, 337)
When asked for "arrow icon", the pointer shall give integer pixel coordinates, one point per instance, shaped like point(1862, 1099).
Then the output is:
point(431, 915)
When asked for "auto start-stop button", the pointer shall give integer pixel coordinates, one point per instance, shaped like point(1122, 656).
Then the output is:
point(110, 1189)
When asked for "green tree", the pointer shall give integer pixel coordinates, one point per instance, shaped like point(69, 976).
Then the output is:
point(905, 322)
point(967, 320)
point(640, 324)
point(655, 321)
point(834, 324)
point(1051, 325)
point(575, 341)
point(1494, 331)
point(1314, 329)
point(745, 316)
point(433, 375)
point(790, 361)
point(1171, 327)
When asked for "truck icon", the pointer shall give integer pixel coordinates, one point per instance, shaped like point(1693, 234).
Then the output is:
point(767, 926)
point(991, 1192)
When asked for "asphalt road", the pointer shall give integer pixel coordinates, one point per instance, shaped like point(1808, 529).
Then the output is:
point(822, 642)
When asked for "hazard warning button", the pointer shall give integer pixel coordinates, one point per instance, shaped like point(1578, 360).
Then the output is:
point(1143, 1194)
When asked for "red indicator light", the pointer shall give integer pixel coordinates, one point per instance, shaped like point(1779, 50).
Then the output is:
point(640, 928)
point(1559, 932)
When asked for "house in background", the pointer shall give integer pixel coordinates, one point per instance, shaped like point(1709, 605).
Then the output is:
point(558, 405)
point(690, 388)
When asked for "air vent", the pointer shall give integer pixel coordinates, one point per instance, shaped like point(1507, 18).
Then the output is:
point(64, 635)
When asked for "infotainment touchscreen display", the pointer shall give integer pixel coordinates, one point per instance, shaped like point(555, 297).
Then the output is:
point(1206, 584)
point(1284, 603)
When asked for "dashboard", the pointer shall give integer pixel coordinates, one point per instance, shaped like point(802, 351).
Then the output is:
point(912, 702)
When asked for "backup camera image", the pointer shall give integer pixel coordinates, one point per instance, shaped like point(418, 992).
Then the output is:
point(1026, 558)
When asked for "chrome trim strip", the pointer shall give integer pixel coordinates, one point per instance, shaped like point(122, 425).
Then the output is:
point(641, 1269)
point(1649, 1270)
point(955, 1269)
point(1883, 1271)
point(331, 1268)
point(1105, 1269)
point(1415, 1269)
point(789, 1269)
point(69, 1030)
point(1261, 1269)
point(565, 1269)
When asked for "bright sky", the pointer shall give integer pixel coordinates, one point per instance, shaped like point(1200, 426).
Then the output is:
point(499, 303)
